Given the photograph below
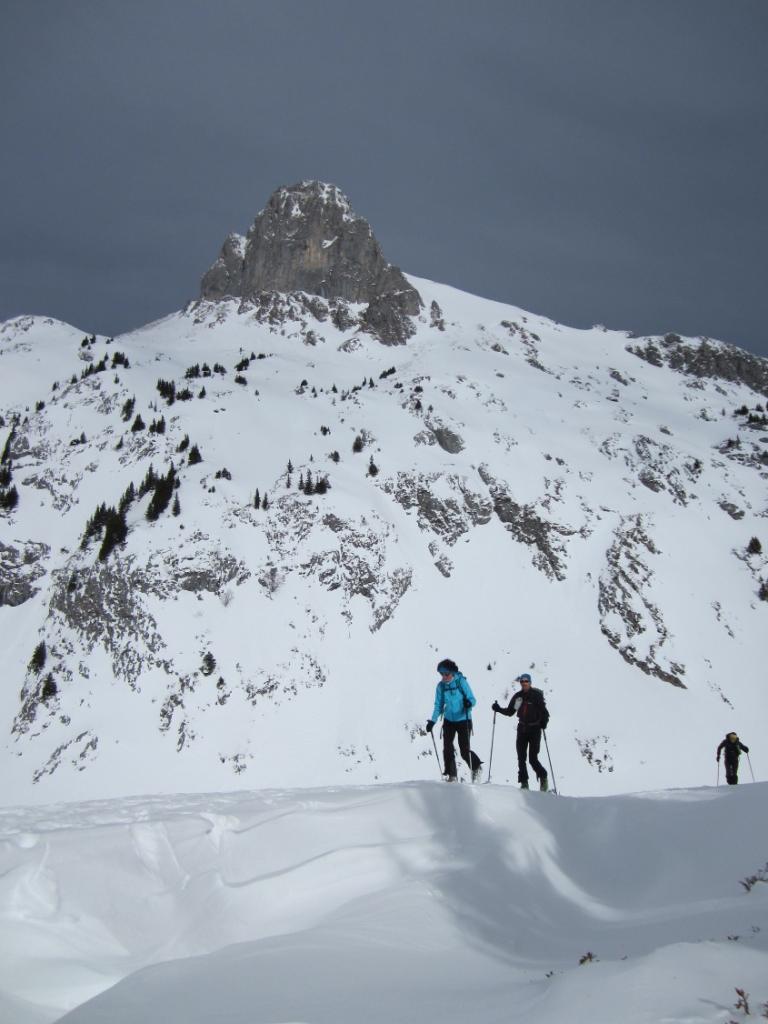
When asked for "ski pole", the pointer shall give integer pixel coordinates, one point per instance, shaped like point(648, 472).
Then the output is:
point(551, 770)
point(718, 771)
point(490, 759)
point(750, 768)
point(436, 753)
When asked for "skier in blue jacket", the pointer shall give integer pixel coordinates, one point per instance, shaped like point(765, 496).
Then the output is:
point(454, 700)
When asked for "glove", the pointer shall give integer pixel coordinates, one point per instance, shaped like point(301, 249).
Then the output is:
point(717, 758)
point(495, 706)
point(467, 703)
point(430, 725)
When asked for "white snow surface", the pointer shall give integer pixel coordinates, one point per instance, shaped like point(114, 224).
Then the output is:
point(326, 616)
point(396, 902)
point(379, 893)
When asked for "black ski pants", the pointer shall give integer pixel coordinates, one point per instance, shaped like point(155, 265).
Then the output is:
point(732, 771)
point(460, 731)
point(528, 744)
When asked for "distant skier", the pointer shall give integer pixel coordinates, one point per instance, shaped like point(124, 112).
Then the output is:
point(732, 746)
point(454, 700)
point(532, 717)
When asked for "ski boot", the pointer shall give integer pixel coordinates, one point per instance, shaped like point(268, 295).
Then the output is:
point(544, 783)
point(477, 773)
point(524, 785)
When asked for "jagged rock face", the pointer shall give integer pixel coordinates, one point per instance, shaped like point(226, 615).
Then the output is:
point(308, 239)
point(20, 568)
point(225, 277)
point(718, 361)
point(630, 621)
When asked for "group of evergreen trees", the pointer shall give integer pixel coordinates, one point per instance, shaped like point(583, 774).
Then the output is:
point(48, 688)
point(111, 525)
point(9, 496)
point(310, 486)
point(757, 418)
point(193, 372)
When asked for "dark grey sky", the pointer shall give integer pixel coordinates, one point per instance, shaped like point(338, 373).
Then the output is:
point(592, 160)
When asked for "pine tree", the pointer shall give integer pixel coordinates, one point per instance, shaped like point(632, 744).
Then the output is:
point(38, 659)
point(49, 688)
point(148, 483)
point(257, 499)
point(162, 495)
point(115, 532)
point(9, 498)
point(5, 456)
point(128, 498)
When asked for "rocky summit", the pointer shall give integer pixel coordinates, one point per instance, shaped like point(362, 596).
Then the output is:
point(235, 543)
point(308, 240)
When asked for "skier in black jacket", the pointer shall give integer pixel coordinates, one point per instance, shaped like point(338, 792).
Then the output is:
point(733, 747)
point(532, 717)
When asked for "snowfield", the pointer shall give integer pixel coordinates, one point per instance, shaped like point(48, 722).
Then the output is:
point(409, 902)
point(517, 495)
point(545, 500)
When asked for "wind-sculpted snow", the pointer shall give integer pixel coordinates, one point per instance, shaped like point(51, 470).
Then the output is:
point(405, 903)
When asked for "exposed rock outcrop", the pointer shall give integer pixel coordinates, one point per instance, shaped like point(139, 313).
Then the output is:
point(20, 568)
point(629, 619)
point(308, 239)
point(705, 358)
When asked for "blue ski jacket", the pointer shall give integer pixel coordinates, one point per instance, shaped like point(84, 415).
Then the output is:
point(450, 700)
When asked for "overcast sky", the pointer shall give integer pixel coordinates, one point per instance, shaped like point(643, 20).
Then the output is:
point(596, 161)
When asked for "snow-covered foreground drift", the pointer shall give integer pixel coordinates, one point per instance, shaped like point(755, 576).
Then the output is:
point(408, 902)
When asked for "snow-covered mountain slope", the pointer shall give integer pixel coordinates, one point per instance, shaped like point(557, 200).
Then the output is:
point(578, 504)
point(407, 902)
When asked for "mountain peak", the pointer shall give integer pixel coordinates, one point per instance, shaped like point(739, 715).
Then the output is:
point(307, 196)
point(309, 239)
